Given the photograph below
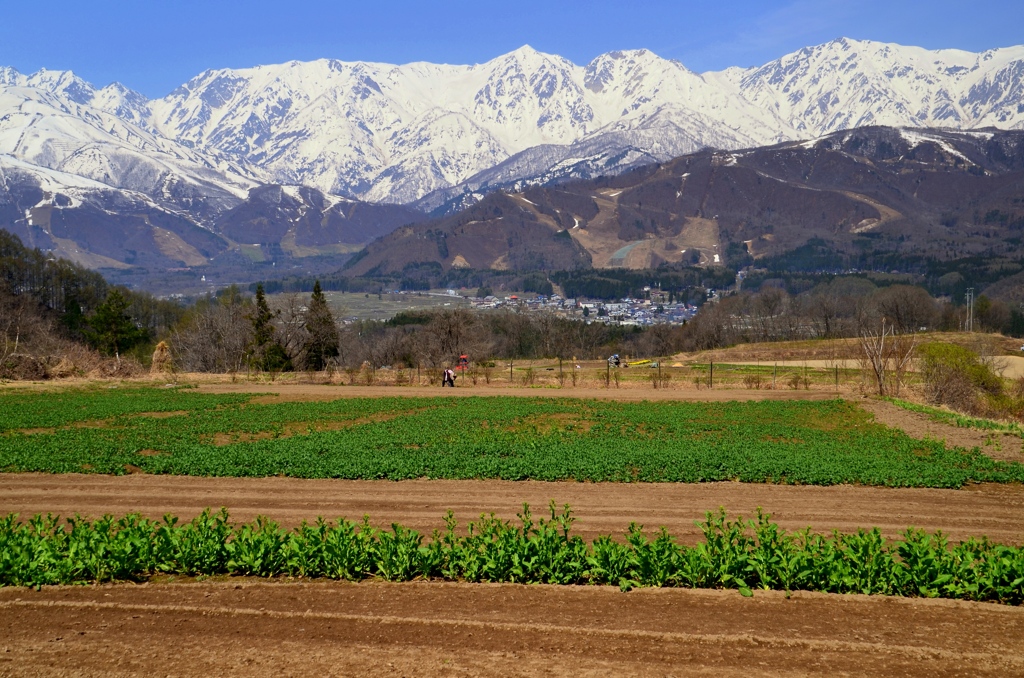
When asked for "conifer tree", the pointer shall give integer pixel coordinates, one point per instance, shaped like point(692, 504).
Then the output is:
point(111, 330)
point(322, 333)
point(265, 351)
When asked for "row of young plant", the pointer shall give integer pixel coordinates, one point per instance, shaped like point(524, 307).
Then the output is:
point(735, 554)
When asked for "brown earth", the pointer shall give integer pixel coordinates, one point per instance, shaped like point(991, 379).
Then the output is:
point(281, 392)
point(996, 511)
point(1000, 445)
point(255, 628)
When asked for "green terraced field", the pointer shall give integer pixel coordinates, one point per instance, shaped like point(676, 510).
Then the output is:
point(179, 431)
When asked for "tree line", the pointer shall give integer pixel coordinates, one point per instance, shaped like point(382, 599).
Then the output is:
point(840, 307)
point(45, 299)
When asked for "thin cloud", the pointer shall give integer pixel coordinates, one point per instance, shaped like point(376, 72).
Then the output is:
point(771, 34)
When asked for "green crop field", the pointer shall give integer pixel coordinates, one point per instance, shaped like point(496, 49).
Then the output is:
point(180, 431)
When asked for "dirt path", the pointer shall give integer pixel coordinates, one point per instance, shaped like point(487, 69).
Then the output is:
point(251, 628)
point(996, 511)
point(628, 392)
point(998, 445)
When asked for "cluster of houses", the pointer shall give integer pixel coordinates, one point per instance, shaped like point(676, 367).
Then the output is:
point(628, 311)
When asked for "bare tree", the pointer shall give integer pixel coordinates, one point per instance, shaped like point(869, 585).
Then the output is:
point(887, 354)
point(451, 333)
point(767, 308)
point(14, 315)
point(290, 323)
point(215, 337)
point(825, 313)
point(714, 326)
point(908, 308)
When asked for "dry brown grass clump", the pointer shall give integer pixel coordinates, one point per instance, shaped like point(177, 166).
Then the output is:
point(162, 362)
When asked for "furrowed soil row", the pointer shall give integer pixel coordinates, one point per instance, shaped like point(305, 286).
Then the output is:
point(255, 628)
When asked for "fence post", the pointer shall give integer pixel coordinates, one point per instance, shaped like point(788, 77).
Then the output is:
point(711, 374)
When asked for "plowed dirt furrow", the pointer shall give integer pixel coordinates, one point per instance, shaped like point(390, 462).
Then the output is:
point(241, 627)
point(995, 511)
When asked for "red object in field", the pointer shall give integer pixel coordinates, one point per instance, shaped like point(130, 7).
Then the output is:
point(463, 363)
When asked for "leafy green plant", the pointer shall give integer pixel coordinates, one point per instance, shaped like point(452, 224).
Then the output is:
point(184, 432)
point(735, 554)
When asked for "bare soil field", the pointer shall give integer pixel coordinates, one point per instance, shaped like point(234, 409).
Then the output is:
point(1004, 446)
point(996, 511)
point(1009, 366)
point(282, 392)
point(633, 386)
point(256, 628)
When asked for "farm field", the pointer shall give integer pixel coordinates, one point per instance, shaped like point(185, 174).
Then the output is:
point(254, 628)
point(828, 463)
point(180, 431)
point(370, 307)
point(992, 510)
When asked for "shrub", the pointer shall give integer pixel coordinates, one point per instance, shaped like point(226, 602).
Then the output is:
point(956, 376)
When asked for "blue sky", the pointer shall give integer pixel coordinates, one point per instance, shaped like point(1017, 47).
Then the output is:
point(153, 45)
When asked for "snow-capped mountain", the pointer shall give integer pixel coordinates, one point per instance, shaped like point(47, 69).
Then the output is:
point(56, 121)
point(396, 133)
point(434, 135)
point(853, 83)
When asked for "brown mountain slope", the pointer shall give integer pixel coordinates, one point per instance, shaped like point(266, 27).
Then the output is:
point(501, 232)
point(139, 242)
point(934, 193)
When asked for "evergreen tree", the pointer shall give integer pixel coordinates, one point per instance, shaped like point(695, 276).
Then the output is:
point(322, 342)
point(265, 351)
point(111, 330)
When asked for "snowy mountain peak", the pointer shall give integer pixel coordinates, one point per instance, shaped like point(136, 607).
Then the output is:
point(851, 83)
point(396, 133)
point(62, 82)
point(10, 77)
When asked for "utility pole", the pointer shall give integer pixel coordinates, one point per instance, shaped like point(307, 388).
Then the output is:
point(969, 297)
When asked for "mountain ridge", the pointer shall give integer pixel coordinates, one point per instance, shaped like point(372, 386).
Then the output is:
point(399, 133)
point(873, 196)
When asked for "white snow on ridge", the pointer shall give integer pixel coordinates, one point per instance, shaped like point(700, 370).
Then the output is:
point(394, 133)
point(915, 138)
point(44, 122)
point(50, 180)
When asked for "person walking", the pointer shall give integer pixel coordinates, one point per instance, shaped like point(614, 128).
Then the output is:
point(448, 379)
